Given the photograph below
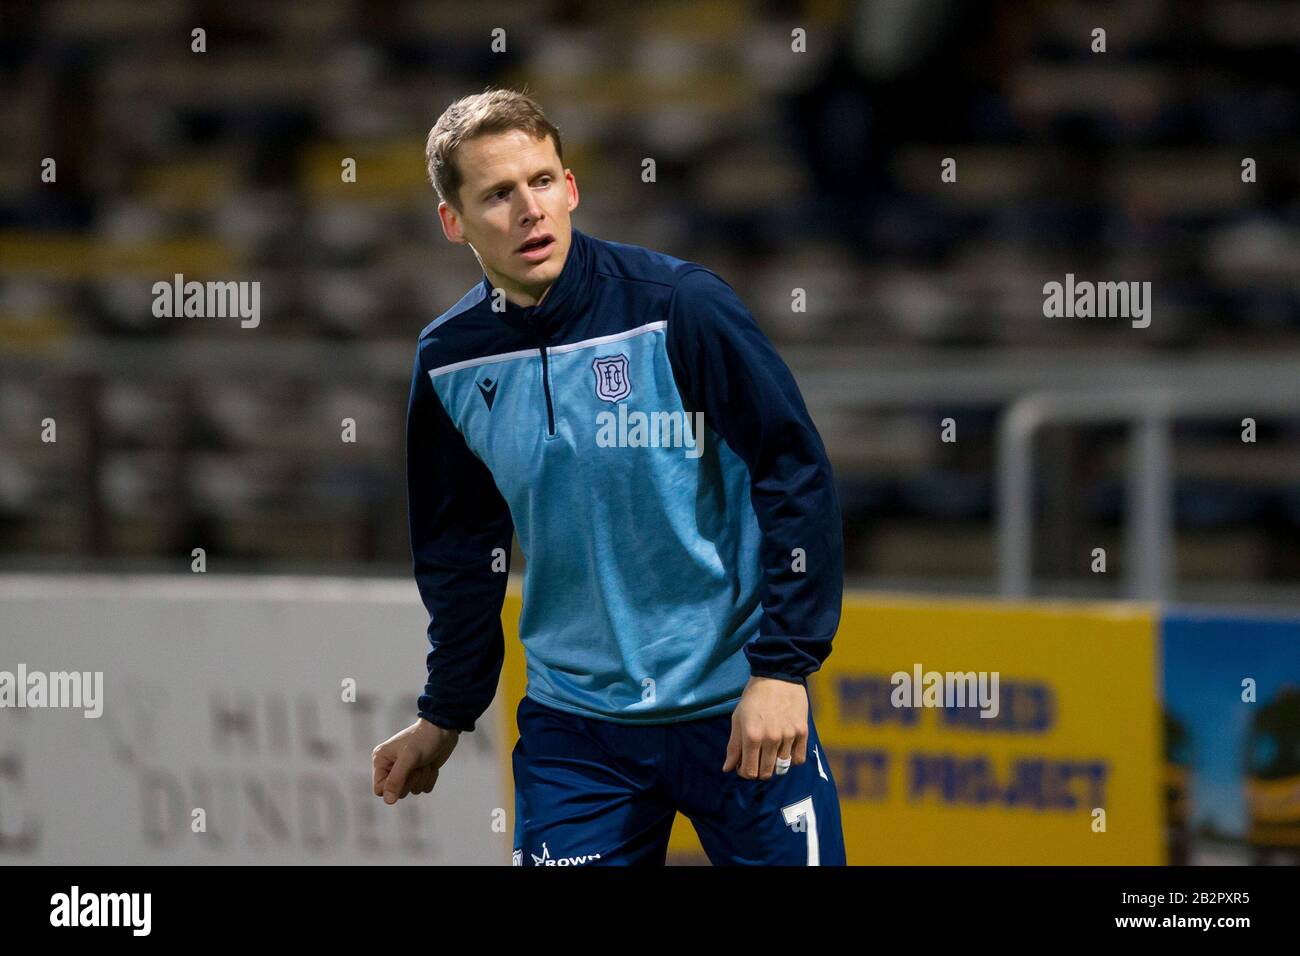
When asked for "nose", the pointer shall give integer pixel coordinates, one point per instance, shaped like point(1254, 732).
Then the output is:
point(532, 210)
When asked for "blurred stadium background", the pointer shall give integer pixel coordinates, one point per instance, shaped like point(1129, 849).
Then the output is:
point(817, 170)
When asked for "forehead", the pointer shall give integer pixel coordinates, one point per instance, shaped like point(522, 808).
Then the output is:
point(492, 156)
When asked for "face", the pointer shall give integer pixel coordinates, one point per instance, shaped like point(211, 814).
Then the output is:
point(514, 193)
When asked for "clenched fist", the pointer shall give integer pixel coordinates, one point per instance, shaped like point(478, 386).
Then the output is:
point(408, 761)
point(770, 721)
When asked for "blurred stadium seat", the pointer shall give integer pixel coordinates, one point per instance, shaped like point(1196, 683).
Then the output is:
point(817, 172)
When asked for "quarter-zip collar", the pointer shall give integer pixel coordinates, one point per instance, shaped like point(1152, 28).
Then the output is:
point(567, 298)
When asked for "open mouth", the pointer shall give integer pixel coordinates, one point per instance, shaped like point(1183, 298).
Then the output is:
point(536, 246)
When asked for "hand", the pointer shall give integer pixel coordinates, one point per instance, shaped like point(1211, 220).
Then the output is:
point(408, 761)
point(770, 721)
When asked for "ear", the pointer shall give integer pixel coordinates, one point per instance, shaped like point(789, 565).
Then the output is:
point(451, 225)
point(573, 189)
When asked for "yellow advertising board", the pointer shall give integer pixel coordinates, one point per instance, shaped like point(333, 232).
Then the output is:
point(1066, 768)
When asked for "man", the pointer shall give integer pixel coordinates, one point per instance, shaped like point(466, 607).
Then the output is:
point(679, 587)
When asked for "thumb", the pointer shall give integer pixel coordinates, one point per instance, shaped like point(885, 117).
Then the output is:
point(397, 776)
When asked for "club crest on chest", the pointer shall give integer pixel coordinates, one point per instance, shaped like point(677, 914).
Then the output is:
point(612, 381)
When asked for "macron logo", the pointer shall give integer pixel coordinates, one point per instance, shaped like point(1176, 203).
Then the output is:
point(488, 389)
point(102, 909)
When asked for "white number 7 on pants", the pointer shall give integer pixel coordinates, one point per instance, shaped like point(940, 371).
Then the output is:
point(804, 808)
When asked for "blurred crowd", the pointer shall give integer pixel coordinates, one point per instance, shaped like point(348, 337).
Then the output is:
point(818, 169)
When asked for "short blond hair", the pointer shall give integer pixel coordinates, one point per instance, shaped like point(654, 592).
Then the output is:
point(492, 111)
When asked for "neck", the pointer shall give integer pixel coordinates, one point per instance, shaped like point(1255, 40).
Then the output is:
point(517, 295)
point(527, 299)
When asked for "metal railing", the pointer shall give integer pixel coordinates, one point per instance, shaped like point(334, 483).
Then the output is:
point(1149, 531)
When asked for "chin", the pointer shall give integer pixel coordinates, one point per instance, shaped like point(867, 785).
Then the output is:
point(547, 271)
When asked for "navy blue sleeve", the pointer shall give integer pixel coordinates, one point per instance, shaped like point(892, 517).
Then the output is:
point(726, 367)
point(457, 519)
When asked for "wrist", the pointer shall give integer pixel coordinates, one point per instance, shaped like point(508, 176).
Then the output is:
point(781, 676)
point(438, 726)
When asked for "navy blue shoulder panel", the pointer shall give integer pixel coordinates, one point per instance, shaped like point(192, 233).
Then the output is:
point(605, 288)
point(467, 301)
point(470, 330)
point(631, 286)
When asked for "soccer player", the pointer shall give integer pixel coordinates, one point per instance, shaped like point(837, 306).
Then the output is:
point(620, 409)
